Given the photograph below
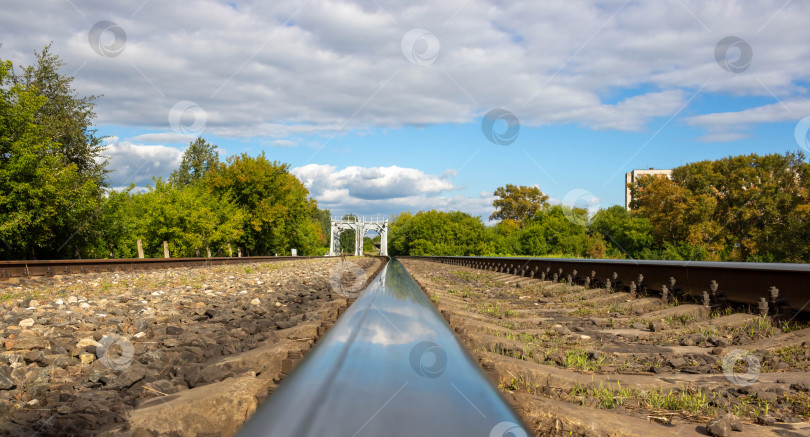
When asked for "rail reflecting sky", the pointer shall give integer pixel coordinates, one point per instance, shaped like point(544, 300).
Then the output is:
point(390, 366)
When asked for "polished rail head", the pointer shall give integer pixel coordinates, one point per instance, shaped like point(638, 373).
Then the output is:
point(389, 366)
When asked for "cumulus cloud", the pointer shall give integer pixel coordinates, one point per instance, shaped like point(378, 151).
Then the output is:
point(369, 183)
point(325, 67)
point(135, 163)
point(386, 190)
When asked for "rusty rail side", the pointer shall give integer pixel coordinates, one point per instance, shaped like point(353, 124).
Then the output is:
point(771, 286)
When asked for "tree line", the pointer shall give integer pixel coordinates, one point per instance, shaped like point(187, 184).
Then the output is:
point(56, 200)
point(739, 208)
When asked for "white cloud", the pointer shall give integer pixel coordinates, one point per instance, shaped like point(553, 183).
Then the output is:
point(788, 110)
point(386, 190)
point(133, 163)
point(323, 67)
point(370, 183)
point(734, 125)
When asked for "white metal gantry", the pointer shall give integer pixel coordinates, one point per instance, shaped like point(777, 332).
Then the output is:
point(360, 225)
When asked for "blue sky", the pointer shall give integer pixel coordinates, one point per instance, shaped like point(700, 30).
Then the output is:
point(377, 105)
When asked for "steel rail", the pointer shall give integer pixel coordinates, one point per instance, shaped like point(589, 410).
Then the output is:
point(11, 269)
point(773, 287)
point(390, 366)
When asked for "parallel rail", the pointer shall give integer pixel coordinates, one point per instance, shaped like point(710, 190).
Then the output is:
point(772, 287)
point(12, 269)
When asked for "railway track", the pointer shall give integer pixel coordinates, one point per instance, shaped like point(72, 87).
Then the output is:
point(597, 354)
point(389, 366)
point(772, 287)
point(24, 268)
point(591, 355)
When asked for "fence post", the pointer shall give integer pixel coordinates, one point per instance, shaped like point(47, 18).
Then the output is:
point(140, 249)
point(165, 249)
point(209, 251)
point(230, 251)
point(240, 251)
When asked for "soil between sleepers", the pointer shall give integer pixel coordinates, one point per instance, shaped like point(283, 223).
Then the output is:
point(593, 362)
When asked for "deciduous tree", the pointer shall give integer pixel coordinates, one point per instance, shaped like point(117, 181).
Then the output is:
point(45, 199)
point(517, 203)
point(279, 213)
point(198, 159)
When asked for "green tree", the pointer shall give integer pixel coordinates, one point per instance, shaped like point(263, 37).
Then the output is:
point(279, 212)
point(192, 219)
point(45, 200)
point(627, 235)
point(399, 234)
point(65, 117)
point(552, 233)
point(118, 223)
point(348, 237)
point(438, 233)
point(324, 218)
point(743, 208)
point(198, 159)
point(517, 203)
point(671, 208)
